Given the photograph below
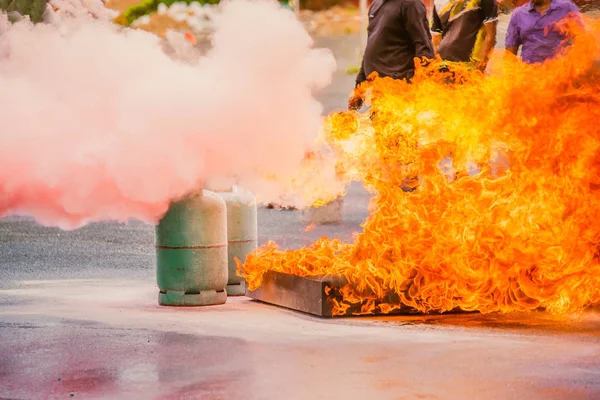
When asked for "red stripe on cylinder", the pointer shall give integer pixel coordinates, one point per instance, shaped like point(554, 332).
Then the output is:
point(211, 246)
point(243, 241)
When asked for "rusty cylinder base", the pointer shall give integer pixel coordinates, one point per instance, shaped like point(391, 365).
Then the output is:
point(180, 299)
point(236, 289)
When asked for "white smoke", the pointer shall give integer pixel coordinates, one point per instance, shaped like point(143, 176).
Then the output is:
point(59, 9)
point(98, 122)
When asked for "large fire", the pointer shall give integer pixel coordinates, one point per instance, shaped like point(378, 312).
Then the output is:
point(521, 232)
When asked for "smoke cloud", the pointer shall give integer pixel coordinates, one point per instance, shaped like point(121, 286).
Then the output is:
point(100, 123)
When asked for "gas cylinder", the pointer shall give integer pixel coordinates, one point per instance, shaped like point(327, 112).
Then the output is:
point(191, 251)
point(242, 232)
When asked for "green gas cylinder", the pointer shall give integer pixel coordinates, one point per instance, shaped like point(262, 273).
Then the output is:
point(242, 233)
point(286, 4)
point(191, 251)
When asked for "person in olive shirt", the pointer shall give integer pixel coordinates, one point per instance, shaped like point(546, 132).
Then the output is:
point(465, 30)
point(398, 33)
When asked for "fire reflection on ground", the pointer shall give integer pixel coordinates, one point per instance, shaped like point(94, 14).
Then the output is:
point(583, 324)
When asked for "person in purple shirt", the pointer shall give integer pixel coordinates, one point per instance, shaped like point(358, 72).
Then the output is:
point(533, 26)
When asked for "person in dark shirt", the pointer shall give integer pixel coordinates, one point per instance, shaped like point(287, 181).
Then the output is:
point(465, 30)
point(398, 33)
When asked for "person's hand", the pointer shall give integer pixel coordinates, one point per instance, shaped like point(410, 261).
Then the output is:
point(480, 66)
point(356, 101)
point(424, 62)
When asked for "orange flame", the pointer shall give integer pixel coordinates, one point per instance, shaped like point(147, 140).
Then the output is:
point(191, 38)
point(520, 234)
point(310, 227)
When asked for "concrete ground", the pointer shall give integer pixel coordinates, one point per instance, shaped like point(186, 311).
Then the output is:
point(79, 319)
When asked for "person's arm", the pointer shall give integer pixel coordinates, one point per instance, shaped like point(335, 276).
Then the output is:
point(487, 47)
point(356, 98)
point(575, 14)
point(436, 39)
point(513, 50)
point(436, 29)
point(361, 77)
point(414, 16)
point(574, 17)
point(490, 24)
point(513, 37)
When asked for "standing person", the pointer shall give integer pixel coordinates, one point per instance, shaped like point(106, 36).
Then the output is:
point(533, 26)
point(16, 9)
point(398, 33)
point(465, 30)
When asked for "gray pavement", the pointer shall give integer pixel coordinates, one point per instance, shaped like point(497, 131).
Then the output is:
point(31, 252)
point(79, 319)
point(107, 338)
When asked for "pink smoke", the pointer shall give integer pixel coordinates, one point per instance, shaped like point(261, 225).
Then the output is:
point(99, 123)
